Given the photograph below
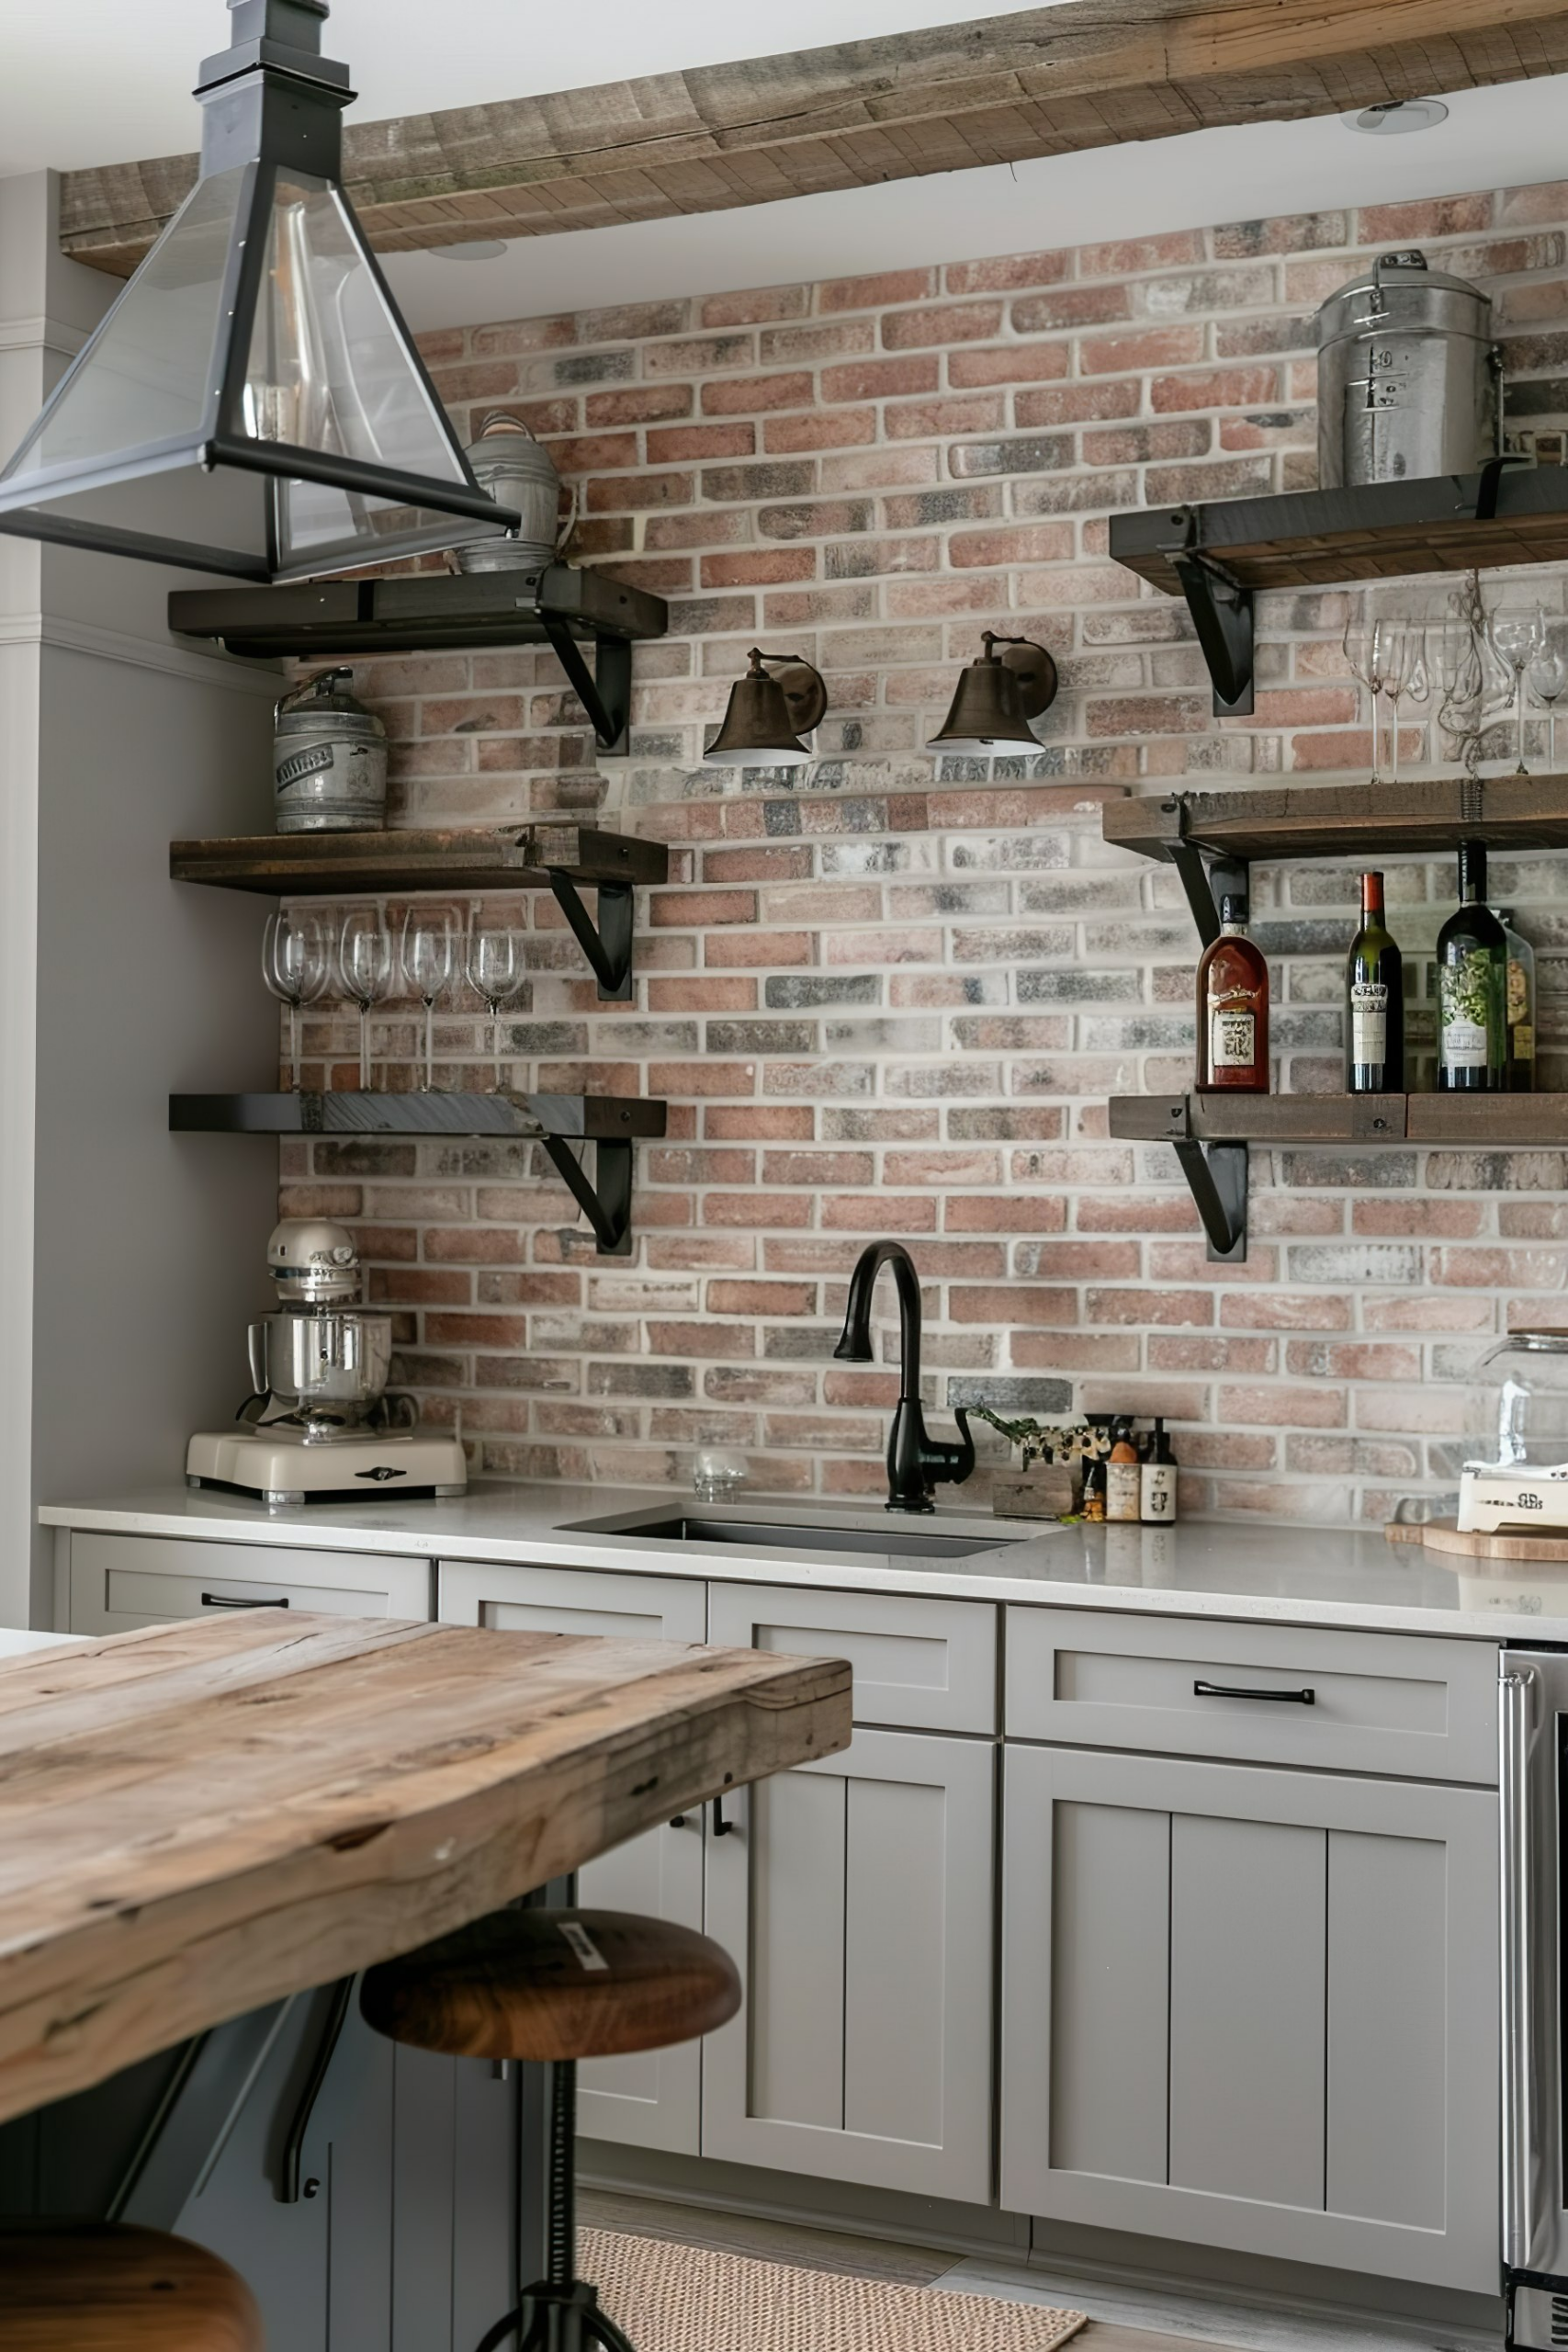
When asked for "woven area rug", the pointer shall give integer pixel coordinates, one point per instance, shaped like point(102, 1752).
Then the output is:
point(673, 2298)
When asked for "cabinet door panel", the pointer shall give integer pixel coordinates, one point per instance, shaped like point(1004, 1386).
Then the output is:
point(1325, 1949)
point(856, 1897)
point(651, 2099)
point(1247, 1915)
point(1109, 1995)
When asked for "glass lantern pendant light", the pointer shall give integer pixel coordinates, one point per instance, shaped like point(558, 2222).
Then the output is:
point(253, 404)
point(997, 697)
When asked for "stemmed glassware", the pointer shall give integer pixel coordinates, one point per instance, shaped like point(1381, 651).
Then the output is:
point(430, 952)
point(1365, 649)
point(496, 972)
point(1518, 636)
point(1547, 677)
point(297, 965)
point(368, 968)
point(1402, 673)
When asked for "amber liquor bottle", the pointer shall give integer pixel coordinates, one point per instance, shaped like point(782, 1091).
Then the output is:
point(1232, 1008)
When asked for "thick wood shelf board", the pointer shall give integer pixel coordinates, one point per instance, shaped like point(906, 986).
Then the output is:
point(1357, 821)
point(1376, 531)
point(417, 612)
point(1477, 1122)
point(606, 1118)
point(507, 857)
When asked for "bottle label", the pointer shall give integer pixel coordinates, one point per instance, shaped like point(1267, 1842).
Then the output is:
point(1159, 1491)
point(1519, 995)
point(1231, 1039)
point(1369, 1022)
point(1468, 994)
point(1521, 1039)
point(1124, 1487)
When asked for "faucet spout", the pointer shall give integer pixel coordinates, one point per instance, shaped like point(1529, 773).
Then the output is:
point(915, 1461)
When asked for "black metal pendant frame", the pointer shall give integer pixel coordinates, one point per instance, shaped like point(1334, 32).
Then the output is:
point(271, 107)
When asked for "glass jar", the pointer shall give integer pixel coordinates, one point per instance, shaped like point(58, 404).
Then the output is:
point(1517, 1412)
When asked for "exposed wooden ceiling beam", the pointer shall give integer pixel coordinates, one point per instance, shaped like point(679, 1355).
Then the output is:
point(1085, 73)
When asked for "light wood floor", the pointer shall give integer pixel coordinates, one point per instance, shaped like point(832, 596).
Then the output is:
point(914, 2266)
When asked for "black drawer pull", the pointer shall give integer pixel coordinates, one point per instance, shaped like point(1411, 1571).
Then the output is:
point(223, 1600)
point(1307, 1697)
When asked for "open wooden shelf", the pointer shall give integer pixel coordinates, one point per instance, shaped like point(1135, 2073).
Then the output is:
point(561, 857)
point(495, 857)
point(429, 612)
point(555, 1122)
point(1356, 821)
point(1219, 554)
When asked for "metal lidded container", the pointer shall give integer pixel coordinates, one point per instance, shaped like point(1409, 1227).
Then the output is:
point(520, 473)
point(1408, 376)
point(329, 760)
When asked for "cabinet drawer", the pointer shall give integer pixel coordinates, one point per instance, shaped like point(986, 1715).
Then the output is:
point(120, 1581)
point(1399, 1703)
point(919, 1665)
point(572, 1600)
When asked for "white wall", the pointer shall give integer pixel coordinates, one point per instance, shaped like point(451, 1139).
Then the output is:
point(130, 1259)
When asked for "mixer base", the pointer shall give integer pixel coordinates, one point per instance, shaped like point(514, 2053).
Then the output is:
point(279, 1468)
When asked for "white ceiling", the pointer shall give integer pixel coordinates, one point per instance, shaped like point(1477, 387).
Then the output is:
point(1492, 138)
point(101, 81)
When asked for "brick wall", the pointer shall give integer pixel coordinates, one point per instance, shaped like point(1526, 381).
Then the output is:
point(884, 995)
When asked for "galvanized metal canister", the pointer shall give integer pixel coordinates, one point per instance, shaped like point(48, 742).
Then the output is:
point(329, 760)
point(519, 474)
point(1408, 376)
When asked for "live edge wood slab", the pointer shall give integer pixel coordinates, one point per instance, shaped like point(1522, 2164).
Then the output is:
point(202, 1818)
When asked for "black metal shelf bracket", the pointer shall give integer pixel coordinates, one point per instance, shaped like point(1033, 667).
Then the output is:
point(607, 1203)
point(605, 691)
point(1221, 606)
point(607, 944)
point(1216, 1178)
point(1205, 879)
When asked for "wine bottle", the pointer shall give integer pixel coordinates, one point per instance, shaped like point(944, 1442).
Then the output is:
point(1375, 992)
point(1519, 1001)
point(1233, 1007)
point(1472, 981)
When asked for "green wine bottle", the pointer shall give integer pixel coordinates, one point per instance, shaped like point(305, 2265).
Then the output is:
point(1374, 1011)
point(1473, 986)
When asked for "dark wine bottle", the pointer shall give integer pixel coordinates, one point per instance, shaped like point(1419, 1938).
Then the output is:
point(1520, 1077)
point(1473, 986)
point(1374, 1002)
point(1233, 1007)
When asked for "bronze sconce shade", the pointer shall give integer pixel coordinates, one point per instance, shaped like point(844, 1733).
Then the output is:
point(770, 710)
point(998, 696)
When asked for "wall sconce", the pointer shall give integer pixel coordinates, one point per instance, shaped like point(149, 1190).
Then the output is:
point(770, 710)
point(998, 696)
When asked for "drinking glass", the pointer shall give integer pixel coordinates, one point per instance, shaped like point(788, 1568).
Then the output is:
point(430, 949)
point(1518, 637)
point(496, 972)
point(1547, 677)
point(1402, 670)
point(1363, 650)
point(368, 967)
point(297, 965)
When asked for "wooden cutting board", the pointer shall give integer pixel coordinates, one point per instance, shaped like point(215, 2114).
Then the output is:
point(1446, 1535)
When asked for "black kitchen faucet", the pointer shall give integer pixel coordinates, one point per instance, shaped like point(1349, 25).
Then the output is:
point(915, 1462)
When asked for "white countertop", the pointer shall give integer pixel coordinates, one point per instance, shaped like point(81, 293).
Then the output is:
point(1282, 1573)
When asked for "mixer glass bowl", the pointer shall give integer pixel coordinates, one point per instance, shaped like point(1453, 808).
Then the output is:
point(1516, 1416)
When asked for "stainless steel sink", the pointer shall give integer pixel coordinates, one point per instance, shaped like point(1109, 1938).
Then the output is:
point(780, 1535)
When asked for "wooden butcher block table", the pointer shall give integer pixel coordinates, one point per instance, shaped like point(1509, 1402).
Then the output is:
point(205, 1816)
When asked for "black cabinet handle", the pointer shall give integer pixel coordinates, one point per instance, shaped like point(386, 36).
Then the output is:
point(1307, 1697)
point(224, 1601)
point(721, 1828)
point(678, 1821)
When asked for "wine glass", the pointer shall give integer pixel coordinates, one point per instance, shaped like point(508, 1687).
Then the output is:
point(1362, 647)
point(368, 967)
point(430, 949)
point(1547, 677)
point(1517, 637)
point(496, 972)
point(1402, 670)
point(297, 965)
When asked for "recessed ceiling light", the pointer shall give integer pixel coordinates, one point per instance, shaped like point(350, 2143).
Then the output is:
point(1398, 115)
point(476, 249)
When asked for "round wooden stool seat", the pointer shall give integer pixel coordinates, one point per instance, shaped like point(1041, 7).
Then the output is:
point(100, 2287)
point(554, 1985)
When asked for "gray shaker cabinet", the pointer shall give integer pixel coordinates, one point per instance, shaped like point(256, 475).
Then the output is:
point(652, 2098)
point(1253, 2008)
point(855, 1894)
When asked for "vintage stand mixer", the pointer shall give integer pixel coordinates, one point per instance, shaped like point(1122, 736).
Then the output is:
point(321, 1427)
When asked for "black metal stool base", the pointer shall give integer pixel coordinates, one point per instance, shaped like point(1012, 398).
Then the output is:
point(558, 2319)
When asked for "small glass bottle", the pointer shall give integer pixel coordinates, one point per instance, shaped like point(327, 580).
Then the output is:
point(1233, 1007)
point(1519, 1009)
point(1157, 1480)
